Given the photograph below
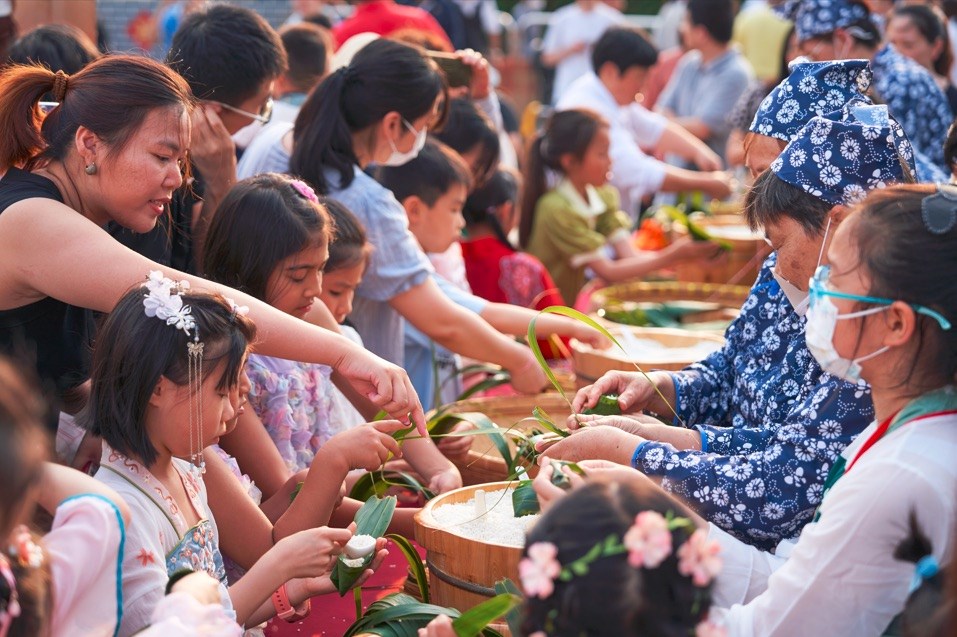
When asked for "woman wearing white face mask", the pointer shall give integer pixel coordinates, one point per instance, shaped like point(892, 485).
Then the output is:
point(882, 311)
point(378, 110)
point(761, 422)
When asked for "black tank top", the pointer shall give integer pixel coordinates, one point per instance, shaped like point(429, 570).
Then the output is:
point(49, 336)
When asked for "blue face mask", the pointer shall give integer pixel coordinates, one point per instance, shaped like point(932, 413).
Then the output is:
point(822, 318)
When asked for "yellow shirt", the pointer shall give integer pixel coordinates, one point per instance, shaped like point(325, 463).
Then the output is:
point(570, 232)
point(761, 35)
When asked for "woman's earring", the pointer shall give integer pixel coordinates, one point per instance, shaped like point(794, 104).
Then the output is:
point(90, 168)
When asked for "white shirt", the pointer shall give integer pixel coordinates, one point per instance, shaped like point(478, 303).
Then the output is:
point(841, 577)
point(571, 25)
point(634, 173)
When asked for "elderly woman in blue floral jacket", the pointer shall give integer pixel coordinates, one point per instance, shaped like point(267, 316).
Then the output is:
point(758, 424)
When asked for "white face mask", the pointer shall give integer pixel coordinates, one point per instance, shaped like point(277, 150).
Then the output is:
point(822, 318)
point(398, 158)
point(798, 298)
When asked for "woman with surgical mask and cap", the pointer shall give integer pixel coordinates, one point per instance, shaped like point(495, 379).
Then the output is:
point(845, 30)
point(758, 423)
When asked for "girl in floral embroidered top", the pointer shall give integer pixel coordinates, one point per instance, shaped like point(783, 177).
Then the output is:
point(166, 382)
point(270, 238)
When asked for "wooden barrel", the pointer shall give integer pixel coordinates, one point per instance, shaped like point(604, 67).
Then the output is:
point(484, 463)
point(741, 265)
point(463, 571)
point(590, 364)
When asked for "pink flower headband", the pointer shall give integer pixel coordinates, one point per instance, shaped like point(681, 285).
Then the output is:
point(305, 190)
point(647, 543)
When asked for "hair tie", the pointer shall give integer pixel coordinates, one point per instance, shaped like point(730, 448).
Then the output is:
point(939, 210)
point(304, 190)
point(927, 567)
point(59, 85)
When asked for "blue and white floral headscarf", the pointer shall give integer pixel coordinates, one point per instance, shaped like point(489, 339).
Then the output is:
point(819, 17)
point(838, 158)
point(811, 89)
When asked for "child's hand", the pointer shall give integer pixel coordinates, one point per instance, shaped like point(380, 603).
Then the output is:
point(305, 588)
point(592, 337)
point(688, 249)
point(200, 586)
point(366, 447)
point(547, 492)
point(480, 86)
point(717, 184)
point(446, 481)
point(311, 553)
point(529, 378)
point(456, 448)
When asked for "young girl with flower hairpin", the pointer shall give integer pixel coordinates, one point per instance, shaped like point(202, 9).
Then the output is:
point(166, 381)
point(613, 558)
point(293, 401)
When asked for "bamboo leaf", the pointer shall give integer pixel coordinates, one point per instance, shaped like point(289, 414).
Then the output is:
point(607, 405)
point(525, 500)
point(376, 483)
point(415, 563)
point(694, 230)
point(546, 421)
point(514, 617)
point(494, 380)
point(373, 519)
point(587, 320)
point(476, 619)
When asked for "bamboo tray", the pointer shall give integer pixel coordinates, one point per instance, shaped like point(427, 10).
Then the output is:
point(741, 265)
point(728, 296)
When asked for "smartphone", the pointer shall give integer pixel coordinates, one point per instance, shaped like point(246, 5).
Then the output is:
point(457, 72)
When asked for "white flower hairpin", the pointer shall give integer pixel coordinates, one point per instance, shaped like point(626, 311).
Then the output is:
point(164, 301)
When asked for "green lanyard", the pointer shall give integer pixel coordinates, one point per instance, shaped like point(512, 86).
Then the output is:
point(939, 401)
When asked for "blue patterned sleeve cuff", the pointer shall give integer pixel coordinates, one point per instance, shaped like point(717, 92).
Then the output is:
point(704, 439)
point(635, 457)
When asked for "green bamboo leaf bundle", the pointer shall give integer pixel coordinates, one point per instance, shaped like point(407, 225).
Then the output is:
point(372, 519)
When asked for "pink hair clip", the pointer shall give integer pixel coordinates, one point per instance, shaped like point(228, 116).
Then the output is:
point(9, 607)
point(305, 190)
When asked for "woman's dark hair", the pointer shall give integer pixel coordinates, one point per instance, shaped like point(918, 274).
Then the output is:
point(350, 246)
point(927, 609)
point(226, 53)
point(112, 96)
point(384, 76)
point(932, 26)
point(568, 132)
point(430, 175)
point(613, 598)
point(950, 148)
point(59, 47)
point(770, 198)
point(133, 350)
point(261, 221)
point(480, 208)
point(624, 47)
point(906, 261)
point(468, 128)
point(307, 49)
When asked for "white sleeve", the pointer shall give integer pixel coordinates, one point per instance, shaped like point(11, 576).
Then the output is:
point(84, 547)
point(632, 170)
point(842, 577)
point(645, 127)
point(182, 614)
point(745, 569)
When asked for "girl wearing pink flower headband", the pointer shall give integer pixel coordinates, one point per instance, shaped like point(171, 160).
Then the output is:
point(614, 559)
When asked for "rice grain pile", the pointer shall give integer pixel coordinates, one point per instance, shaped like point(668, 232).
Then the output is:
point(497, 526)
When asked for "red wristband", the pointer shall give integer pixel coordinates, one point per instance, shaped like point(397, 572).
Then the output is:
point(285, 610)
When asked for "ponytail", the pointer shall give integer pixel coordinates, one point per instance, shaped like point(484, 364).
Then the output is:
point(383, 77)
point(20, 116)
point(480, 207)
point(535, 186)
point(568, 132)
point(111, 97)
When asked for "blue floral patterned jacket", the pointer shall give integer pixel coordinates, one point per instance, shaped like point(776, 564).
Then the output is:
point(771, 421)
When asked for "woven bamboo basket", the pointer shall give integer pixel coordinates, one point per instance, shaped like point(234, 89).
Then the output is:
point(590, 364)
point(484, 463)
point(728, 296)
point(741, 265)
point(463, 571)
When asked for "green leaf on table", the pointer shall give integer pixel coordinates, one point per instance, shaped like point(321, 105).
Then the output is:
point(525, 500)
point(373, 519)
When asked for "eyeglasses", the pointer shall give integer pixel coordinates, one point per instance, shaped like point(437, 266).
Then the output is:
point(819, 287)
point(265, 113)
